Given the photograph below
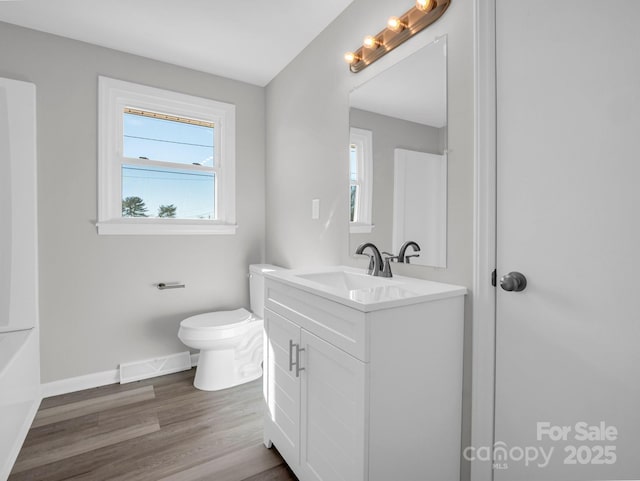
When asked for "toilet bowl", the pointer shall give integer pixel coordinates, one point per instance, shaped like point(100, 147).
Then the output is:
point(230, 342)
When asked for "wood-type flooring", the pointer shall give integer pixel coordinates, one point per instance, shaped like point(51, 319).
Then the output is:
point(160, 429)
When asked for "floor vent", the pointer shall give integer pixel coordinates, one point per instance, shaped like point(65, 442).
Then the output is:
point(159, 366)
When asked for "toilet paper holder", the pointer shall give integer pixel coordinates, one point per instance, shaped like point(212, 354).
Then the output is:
point(163, 285)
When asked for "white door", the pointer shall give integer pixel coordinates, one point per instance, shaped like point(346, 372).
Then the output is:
point(333, 413)
point(420, 205)
point(568, 213)
point(282, 386)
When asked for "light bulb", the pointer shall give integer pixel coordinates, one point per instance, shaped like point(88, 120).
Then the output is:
point(395, 24)
point(425, 5)
point(370, 42)
point(350, 58)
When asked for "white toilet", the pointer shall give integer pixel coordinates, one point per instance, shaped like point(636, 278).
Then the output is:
point(230, 342)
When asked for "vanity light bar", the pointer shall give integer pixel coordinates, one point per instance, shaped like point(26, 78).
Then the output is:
point(399, 30)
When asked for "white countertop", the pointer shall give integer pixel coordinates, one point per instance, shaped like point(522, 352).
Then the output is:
point(354, 288)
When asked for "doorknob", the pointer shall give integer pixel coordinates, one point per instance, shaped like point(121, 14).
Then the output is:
point(514, 281)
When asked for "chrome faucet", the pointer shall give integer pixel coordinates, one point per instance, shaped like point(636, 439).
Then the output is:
point(404, 258)
point(386, 269)
point(375, 260)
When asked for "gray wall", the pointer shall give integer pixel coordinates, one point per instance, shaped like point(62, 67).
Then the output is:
point(98, 305)
point(308, 131)
point(390, 133)
point(307, 158)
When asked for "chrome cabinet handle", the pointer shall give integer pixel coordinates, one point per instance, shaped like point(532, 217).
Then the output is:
point(297, 361)
point(298, 368)
point(291, 363)
point(513, 282)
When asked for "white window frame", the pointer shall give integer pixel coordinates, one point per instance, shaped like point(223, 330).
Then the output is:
point(363, 139)
point(114, 97)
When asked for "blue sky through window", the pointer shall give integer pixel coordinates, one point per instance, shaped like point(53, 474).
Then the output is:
point(353, 162)
point(191, 191)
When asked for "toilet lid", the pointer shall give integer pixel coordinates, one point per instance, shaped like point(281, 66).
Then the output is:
point(218, 319)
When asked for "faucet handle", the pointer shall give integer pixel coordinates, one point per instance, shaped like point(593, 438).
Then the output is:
point(407, 259)
point(371, 267)
point(386, 270)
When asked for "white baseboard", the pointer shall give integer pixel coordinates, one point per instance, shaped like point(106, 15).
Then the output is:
point(157, 366)
point(79, 383)
point(89, 381)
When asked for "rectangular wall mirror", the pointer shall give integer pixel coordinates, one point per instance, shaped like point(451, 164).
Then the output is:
point(398, 158)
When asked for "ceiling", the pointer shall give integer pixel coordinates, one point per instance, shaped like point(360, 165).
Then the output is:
point(247, 40)
point(423, 96)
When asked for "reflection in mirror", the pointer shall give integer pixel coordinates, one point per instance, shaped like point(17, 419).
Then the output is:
point(360, 187)
point(398, 159)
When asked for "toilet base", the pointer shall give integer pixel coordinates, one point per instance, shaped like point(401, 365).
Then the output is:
point(222, 368)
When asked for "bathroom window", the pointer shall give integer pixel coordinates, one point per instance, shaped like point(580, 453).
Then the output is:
point(360, 180)
point(166, 162)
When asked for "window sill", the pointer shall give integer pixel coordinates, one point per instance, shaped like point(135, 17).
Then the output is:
point(355, 228)
point(164, 228)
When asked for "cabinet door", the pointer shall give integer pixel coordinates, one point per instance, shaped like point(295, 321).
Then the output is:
point(282, 386)
point(333, 413)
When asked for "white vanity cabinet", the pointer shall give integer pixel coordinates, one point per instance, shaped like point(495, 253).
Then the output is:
point(315, 400)
point(363, 396)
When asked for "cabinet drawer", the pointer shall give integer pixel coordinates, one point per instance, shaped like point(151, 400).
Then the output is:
point(337, 324)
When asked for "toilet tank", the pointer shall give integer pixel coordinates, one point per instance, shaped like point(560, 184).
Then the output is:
point(256, 286)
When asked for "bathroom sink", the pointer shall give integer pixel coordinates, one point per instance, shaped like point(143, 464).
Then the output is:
point(345, 280)
point(355, 288)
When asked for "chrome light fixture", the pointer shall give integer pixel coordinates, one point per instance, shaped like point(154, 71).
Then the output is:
point(398, 30)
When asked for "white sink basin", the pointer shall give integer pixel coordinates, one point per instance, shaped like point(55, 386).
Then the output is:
point(354, 288)
point(344, 280)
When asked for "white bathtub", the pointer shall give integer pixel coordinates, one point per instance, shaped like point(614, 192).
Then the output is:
point(19, 327)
